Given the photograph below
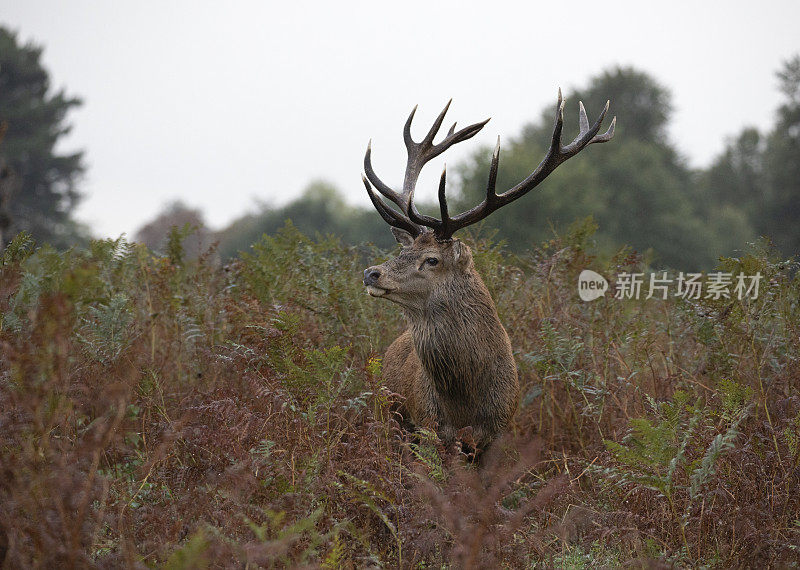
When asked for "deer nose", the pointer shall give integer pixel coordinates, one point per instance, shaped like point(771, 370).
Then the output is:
point(371, 275)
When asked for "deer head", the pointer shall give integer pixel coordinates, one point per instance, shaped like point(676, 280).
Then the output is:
point(424, 265)
point(430, 257)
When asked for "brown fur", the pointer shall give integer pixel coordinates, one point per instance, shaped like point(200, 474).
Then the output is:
point(453, 365)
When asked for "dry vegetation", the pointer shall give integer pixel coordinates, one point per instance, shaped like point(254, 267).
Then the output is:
point(159, 412)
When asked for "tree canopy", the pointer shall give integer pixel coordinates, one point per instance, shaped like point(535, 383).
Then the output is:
point(320, 210)
point(759, 173)
point(637, 187)
point(45, 182)
point(782, 165)
point(155, 234)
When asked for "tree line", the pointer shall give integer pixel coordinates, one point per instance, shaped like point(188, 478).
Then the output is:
point(639, 189)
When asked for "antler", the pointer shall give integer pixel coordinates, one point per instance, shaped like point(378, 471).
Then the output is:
point(409, 219)
point(419, 153)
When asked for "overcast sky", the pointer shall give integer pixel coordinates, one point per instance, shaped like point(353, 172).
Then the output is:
point(223, 104)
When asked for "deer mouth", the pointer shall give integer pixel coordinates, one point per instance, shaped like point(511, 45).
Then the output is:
point(376, 291)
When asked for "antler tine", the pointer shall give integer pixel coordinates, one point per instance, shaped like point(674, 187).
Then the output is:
point(460, 136)
point(443, 201)
point(586, 135)
point(606, 136)
point(390, 216)
point(556, 154)
point(437, 124)
point(583, 120)
point(407, 128)
point(422, 219)
point(558, 127)
point(491, 195)
point(382, 187)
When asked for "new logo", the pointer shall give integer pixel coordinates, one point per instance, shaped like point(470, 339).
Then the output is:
point(591, 285)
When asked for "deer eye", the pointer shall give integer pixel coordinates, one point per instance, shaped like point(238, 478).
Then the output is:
point(431, 261)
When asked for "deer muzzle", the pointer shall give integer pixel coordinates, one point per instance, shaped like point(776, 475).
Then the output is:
point(371, 276)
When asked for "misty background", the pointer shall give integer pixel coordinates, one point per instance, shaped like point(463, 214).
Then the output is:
point(132, 117)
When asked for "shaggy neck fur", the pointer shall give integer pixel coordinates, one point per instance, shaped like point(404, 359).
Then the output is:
point(450, 335)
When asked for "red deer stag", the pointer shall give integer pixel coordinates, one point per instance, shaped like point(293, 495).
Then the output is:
point(453, 366)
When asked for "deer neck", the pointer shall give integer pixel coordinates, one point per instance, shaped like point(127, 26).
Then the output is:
point(456, 333)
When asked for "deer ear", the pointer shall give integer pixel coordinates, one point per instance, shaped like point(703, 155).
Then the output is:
point(404, 238)
point(461, 253)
